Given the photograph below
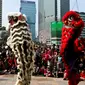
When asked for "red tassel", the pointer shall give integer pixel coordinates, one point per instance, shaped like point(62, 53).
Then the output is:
point(11, 22)
point(20, 17)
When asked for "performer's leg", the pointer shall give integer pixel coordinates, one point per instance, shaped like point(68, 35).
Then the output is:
point(73, 79)
point(20, 66)
point(24, 65)
point(28, 59)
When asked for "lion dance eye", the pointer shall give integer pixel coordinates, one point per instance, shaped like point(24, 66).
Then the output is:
point(70, 18)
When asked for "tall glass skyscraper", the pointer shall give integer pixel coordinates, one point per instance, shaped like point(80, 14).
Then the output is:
point(82, 15)
point(0, 13)
point(65, 6)
point(29, 9)
point(46, 16)
point(49, 11)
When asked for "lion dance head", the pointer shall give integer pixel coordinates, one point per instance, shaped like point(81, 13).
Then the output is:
point(72, 18)
point(15, 17)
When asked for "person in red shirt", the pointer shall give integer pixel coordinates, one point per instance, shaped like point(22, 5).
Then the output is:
point(82, 75)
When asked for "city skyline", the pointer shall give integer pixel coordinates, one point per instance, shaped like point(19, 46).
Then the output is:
point(15, 6)
point(29, 9)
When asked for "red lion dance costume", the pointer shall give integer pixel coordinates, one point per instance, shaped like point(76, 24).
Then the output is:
point(70, 45)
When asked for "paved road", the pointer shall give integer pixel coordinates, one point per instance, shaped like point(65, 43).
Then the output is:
point(11, 79)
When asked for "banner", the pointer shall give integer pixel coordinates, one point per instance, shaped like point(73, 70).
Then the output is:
point(56, 28)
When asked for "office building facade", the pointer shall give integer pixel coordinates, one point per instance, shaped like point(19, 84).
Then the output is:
point(62, 6)
point(65, 6)
point(29, 9)
point(46, 16)
point(82, 15)
point(0, 13)
point(50, 11)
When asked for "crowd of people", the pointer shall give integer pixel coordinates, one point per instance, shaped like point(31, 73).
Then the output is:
point(7, 61)
point(47, 62)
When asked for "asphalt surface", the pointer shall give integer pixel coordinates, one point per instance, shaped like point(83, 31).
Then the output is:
point(36, 80)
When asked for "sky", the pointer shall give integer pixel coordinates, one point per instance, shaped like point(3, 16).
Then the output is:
point(9, 6)
point(77, 5)
point(14, 5)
